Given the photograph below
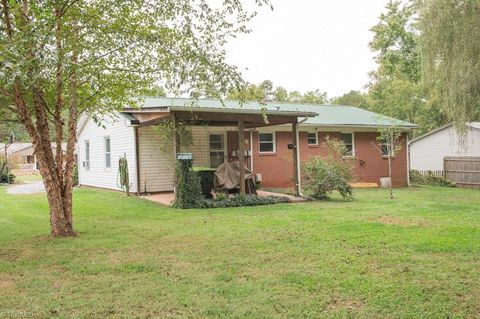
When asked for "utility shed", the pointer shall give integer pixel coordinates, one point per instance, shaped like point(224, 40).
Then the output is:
point(427, 152)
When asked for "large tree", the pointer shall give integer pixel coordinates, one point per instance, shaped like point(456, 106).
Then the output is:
point(396, 88)
point(353, 98)
point(451, 49)
point(63, 57)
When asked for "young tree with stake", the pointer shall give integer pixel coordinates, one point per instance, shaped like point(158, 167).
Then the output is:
point(391, 140)
point(63, 57)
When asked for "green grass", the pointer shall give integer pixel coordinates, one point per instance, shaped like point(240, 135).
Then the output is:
point(417, 256)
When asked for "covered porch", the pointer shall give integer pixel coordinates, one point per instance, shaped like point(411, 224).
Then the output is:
point(229, 133)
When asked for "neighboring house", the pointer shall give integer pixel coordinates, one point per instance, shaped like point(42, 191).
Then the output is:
point(22, 156)
point(427, 152)
point(269, 146)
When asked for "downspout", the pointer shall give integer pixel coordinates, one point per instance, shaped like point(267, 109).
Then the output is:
point(298, 157)
point(251, 150)
point(137, 159)
point(408, 161)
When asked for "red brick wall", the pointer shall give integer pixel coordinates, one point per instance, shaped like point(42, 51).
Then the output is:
point(277, 169)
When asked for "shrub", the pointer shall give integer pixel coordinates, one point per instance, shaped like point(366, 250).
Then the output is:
point(429, 179)
point(7, 179)
point(241, 200)
point(324, 175)
point(188, 188)
point(75, 175)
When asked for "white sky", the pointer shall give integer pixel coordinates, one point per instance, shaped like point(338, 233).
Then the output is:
point(309, 44)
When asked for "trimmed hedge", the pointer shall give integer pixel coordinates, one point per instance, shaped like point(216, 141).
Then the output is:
point(238, 200)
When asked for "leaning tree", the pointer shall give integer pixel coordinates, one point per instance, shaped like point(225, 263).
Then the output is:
point(63, 57)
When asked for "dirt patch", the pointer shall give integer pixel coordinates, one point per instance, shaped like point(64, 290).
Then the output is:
point(395, 220)
point(341, 303)
point(6, 285)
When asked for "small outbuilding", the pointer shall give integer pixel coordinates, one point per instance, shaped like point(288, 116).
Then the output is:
point(428, 151)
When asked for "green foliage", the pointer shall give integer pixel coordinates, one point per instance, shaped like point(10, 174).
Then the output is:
point(417, 178)
point(266, 90)
point(396, 88)
point(123, 177)
point(241, 200)
point(451, 51)
point(75, 175)
point(324, 175)
point(352, 98)
point(391, 140)
point(188, 190)
point(9, 126)
point(4, 178)
point(169, 131)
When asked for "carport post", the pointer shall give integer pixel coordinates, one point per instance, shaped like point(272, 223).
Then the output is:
point(176, 136)
point(241, 155)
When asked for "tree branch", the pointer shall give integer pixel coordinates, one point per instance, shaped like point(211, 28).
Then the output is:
point(6, 18)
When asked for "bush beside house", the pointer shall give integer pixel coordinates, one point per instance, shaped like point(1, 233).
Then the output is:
point(331, 173)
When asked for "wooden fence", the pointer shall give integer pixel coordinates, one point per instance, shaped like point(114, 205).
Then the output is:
point(463, 170)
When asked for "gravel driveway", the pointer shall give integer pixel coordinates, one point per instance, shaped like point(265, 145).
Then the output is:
point(30, 188)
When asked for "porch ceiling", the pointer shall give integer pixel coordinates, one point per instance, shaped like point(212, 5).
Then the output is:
point(232, 119)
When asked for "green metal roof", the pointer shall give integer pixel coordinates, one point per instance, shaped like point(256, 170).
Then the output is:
point(327, 115)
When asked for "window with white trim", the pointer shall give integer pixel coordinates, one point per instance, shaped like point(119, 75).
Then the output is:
point(87, 155)
point(385, 148)
point(347, 140)
point(312, 138)
point(266, 142)
point(108, 154)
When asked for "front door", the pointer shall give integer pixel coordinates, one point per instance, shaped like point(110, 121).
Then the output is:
point(217, 149)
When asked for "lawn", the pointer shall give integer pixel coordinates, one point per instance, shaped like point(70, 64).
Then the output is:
point(417, 256)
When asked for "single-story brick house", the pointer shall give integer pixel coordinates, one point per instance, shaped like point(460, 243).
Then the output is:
point(270, 147)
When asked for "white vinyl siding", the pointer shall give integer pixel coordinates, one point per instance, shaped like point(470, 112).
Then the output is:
point(428, 153)
point(156, 167)
point(122, 141)
point(199, 147)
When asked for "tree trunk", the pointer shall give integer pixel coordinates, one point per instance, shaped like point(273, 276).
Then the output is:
point(390, 175)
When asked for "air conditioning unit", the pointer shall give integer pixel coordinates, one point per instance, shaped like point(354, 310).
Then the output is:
point(258, 178)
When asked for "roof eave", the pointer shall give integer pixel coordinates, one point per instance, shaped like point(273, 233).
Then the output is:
point(242, 111)
point(361, 125)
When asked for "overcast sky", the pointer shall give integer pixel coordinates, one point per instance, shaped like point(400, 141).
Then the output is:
point(310, 44)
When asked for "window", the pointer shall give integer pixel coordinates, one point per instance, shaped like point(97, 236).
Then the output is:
point(385, 148)
point(217, 149)
point(108, 156)
point(347, 140)
point(266, 142)
point(312, 139)
point(87, 155)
